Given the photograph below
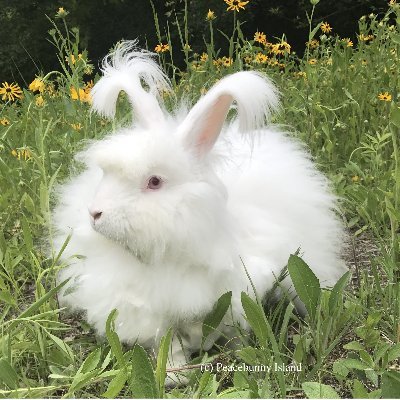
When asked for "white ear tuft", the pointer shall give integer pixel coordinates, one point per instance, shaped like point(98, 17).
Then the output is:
point(123, 69)
point(255, 96)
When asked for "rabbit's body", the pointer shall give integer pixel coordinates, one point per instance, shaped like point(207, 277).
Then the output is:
point(163, 251)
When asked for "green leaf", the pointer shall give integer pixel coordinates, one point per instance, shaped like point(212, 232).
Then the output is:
point(214, 318)
point(316, 390)
point(394, 352)
point(67, 351)
point(391, 385)
point(113, 338)
point(116, 384)
point(162, 358)
point(359, 391)
point(91, 362)
point(255, 317)
point(337, 291)
point(306, 284)
point(313, 32)
point(353, 346)
point(395, 115)
point(7, 374)
point(142, 384)
point(248, 355)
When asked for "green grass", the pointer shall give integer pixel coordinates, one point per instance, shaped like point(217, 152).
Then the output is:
point(348, 345)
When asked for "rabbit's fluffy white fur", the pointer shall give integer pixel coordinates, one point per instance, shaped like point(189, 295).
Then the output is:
point(162, 252)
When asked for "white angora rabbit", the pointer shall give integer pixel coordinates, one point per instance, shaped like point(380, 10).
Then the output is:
point(168, 208)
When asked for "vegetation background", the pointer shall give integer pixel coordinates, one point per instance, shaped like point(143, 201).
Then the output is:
point(340, 95)
point(24, 50)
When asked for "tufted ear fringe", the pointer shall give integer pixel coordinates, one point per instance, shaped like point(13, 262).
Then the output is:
point(125, 69)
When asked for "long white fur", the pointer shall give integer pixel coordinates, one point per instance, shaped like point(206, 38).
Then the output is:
point(122, 70)
point(163, 257)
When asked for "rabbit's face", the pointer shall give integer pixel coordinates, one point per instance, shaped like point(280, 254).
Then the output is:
point(154, 197)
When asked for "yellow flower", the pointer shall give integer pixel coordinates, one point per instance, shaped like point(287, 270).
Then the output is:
point(247, 59)
point(21, 154)
point(76, 127)
point(204, 57)
point(81, 95)
point(235, 5)
point(61, 13)
point(260, 58)
point(4, 121)
point(385, 96)
point(313, 44)
point(355, 178)
point(71, 59)
point(210, 15)
point(162, 48)
point(365, 38)
point(260, 37)
point(37, 85)
point(348, 42)
point(187, 47)
point(392, 3)
point(281, 48)
point(10, 92)
point(39, 101)
point(312, 61)
point(301, 74)
point(326, 28)
point(227, 61)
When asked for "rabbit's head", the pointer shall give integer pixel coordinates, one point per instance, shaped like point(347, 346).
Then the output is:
point(159, 196)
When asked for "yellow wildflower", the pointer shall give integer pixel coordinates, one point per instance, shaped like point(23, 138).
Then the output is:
point(37, 85)
point(355, 178)
point(39, 101)
point(227, 61)
point(235, 5)
point(313, 44)
point(312, 61)
point(10, 92)
point(385, 96)
point(81, 95)
point(281, 48)
point(247, 59)
point(260, 37)
point(76, 127)
point(162, 48)
point(61, 13)
point(392, 3)
point(260, 58)
point(301, 74)
point(4, 121)
point(22, 154)
point(326, 28)
point(204, 57)
point(365, 38)
point(210, 15)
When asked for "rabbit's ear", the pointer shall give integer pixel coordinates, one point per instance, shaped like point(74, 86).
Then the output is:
point(125, 69)
point(255, 97)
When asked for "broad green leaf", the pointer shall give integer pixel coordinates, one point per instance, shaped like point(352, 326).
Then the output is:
point(116, 384)
point(113, 338)
point(255, 317)
point(162, 358)
point(359, 391)
point(395, 115)
point(142, 383)
point(7, 374)
point(316, 390)
point(248, 355)
point(306, 283)
point(214, 318)
point(391, 385)
point(394, 352)
point(353, 346)
point(337, 291)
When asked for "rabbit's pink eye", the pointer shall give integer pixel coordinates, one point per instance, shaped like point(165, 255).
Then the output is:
point(154, 183)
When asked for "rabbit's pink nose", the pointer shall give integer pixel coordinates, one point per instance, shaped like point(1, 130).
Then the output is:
point(95, 214)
